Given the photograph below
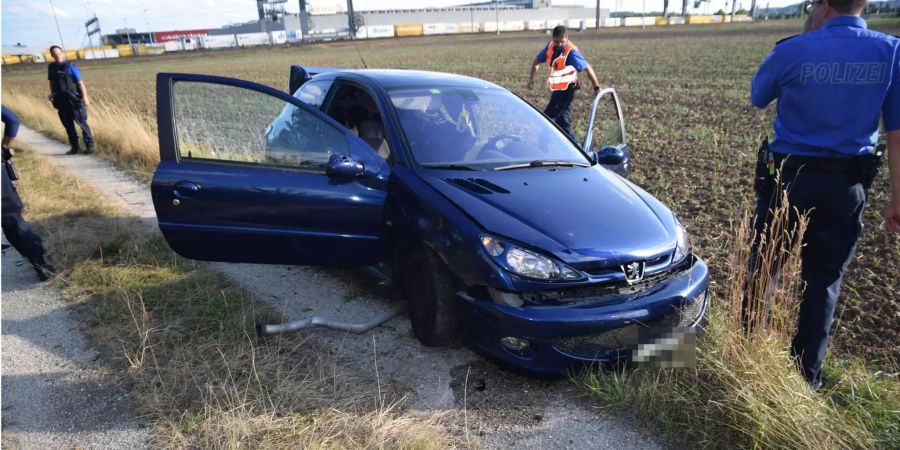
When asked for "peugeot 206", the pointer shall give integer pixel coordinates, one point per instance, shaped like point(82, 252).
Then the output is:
point(499, 230)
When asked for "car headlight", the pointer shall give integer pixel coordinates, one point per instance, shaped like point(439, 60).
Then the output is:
point(683, 243)
point(528, 263)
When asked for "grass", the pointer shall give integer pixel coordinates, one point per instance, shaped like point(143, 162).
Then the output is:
point(182, 338)
point(746, 391)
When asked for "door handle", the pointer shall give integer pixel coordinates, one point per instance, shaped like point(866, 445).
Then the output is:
point(185, 189)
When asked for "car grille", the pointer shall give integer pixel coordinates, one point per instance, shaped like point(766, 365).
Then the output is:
point(627, 338)
point(613, 291)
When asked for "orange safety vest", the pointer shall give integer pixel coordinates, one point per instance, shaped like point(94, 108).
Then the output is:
point(561, 75)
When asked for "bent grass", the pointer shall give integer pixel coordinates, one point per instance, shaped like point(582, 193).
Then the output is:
point(746, 390)
point(181, 336)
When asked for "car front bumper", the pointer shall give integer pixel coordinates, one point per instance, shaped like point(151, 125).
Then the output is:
point(566, 337)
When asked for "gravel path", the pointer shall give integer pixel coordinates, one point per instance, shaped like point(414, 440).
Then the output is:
point(501, 409)
point(55, 394)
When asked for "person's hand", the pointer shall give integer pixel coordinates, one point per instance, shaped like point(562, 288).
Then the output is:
point(7, 153)
point(529, 84)
point(87, 101)
point(596, 88)
point(892, 216)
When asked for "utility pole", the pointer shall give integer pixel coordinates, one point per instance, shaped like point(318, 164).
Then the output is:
point(53, 9)
point(733, 6)
point(497, 15)
point(643, 13)
point(597, 14)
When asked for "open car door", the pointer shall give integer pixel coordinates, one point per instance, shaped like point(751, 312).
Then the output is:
point(250, 174)
point(606, 130)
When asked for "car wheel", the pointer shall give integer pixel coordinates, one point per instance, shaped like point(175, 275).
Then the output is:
point(431, 299)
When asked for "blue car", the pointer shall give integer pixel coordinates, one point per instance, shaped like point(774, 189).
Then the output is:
point(501, 232)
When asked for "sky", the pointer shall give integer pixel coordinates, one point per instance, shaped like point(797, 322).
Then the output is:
point(30, 22)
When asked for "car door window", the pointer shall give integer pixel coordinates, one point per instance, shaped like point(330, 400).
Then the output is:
point(228, 123)
point(313, 92)
point(355, 108)
point(607, 126)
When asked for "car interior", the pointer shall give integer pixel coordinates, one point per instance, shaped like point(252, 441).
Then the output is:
point(356, 110)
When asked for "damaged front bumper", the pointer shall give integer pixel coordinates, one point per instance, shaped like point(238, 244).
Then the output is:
point(551, 340)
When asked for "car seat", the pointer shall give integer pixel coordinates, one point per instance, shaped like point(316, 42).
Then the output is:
point(371, 130)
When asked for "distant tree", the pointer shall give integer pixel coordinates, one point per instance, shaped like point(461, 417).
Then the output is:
point(719, 13)
point(742, 11)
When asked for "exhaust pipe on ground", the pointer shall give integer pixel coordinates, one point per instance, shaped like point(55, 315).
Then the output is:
point(312, 322)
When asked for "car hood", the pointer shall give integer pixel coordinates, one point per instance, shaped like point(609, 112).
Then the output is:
point(581, 215)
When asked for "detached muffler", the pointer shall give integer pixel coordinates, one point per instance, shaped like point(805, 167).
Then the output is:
point(312, 322)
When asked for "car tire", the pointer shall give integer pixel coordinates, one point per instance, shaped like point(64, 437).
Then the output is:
point(431, 299)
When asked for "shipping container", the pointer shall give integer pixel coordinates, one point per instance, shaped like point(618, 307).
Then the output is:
point(536, 25)
point(512, 25)
point(742, 18)
point(378, 31)
point(612, 22)
point(12, 59)
point(469, 27)
point(295, 35)
point(72, 55)
point(573, 24)
point(251, 39)
point(100, 54)
point(430, 29)
point(279, 37)
point(551, 23)
point(408, 30)
point(676, 20)
point(451, 28)
point(662, 21)
point(590, 23)
point(218, 41)
point(693, 20)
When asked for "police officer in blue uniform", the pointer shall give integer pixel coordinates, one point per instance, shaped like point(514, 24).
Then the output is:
point(70, 98)
point(833, 84)
point(15, 228)
point(563, 54)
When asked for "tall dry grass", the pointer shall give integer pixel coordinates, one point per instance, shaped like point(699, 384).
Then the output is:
point(181, 339)
point(746, 390)
point(121, 134)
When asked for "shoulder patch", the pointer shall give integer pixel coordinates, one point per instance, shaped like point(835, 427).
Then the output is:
point(787, 39)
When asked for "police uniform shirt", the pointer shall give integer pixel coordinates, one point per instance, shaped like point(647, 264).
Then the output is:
point(575, 59)
point(832, 85)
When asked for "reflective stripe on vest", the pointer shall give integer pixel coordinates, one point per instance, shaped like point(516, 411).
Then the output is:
point(561, 75)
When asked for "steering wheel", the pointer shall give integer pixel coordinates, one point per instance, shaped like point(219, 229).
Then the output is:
point(493, 147)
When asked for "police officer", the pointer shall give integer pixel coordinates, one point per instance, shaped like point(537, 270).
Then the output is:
point(70, 98)
point(832, 84)
point(565, 61)
point(15, 228)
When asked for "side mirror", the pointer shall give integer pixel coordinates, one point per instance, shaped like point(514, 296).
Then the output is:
point(344, 166)
point(610, 156)
point(297, 77)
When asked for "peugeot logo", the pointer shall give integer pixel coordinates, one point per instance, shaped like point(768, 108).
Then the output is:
point(634, 271)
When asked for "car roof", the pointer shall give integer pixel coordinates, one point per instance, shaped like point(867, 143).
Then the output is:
point(394, 78)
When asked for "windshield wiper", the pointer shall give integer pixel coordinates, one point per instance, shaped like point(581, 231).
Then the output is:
point(449, 166)
point(541, 163)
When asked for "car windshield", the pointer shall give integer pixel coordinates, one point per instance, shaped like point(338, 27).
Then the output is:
point(479, 129)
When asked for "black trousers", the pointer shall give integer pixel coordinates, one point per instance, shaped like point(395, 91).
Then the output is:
point(834, 202)
point(69, 115)
point(560, 110)
point(15, 228)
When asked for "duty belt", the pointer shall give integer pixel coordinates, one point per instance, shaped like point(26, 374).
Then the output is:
point(813, 163)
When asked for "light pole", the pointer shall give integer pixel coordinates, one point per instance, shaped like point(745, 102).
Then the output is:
point(53, 9)
point(497, 15)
